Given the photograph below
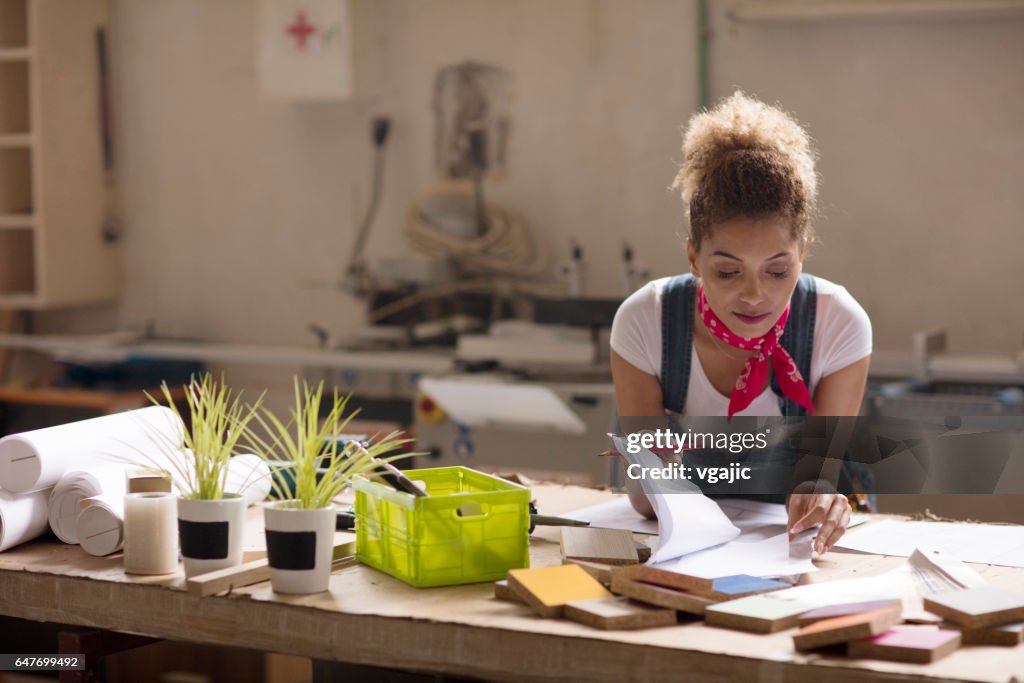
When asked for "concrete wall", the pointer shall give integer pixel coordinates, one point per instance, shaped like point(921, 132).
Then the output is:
point(240, 210)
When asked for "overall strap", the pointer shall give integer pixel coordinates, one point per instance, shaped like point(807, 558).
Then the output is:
point(798, 338)
point(677, 306)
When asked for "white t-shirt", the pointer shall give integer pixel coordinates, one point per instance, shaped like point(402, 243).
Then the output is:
point(842, 336)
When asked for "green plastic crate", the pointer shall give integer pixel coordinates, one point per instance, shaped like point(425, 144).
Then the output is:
point(472, 527)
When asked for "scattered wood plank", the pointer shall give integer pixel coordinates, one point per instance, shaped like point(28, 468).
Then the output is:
point(618, 614)
point(547, 589)
point(659, 595)
point(248, 573)
point(608, 546)
point(913, 644)
point(502, 591)
point(742, 585)
point(845, 609)
point(977, 607)
point(601, 572)
point(1008, 635)
point(757, 613)
point(846, 628)
point(667, 579)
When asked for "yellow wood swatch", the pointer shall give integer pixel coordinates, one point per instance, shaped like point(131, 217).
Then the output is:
point(547, 589)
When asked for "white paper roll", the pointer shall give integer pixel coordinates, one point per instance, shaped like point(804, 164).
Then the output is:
point(73, 487)
point(249, 476)
point(22, 517)
point(150, 533)
point(100, 526)
point(35, 460)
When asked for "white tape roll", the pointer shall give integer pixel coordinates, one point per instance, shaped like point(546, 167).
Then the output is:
point(150, 533)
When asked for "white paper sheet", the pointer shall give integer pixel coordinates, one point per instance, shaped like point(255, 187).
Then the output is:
point(766, 518)
point(761, 557)
point(898, 583)
point(688, 521)
point(757, 521)
point(36, 460)
point(22, 517)
point(615, 514)
point(986, 543)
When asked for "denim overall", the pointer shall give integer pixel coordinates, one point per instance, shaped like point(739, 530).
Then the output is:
point(773, 467)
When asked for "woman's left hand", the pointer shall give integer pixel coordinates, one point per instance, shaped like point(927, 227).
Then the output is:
point(829, 510)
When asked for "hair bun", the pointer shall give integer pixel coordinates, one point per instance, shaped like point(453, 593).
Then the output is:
point(738, 124)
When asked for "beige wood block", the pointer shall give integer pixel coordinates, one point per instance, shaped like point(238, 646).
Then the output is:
point(601, 572)
point(619, 614)
point(643, 551)
point(502, 591)
point(659, 595)
point(977, 607)
point(846, 628)
point(1008, 635)
point(757, 613)
point(255, 571)
point(667, 579)
point(547, 589)
point(609, 546)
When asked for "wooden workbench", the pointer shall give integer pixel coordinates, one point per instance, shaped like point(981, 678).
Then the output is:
point(372, 619)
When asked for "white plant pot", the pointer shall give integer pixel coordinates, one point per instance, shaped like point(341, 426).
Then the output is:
point(210, 532)
point(300, 546)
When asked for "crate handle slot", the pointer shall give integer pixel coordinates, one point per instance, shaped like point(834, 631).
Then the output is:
point(470, 511)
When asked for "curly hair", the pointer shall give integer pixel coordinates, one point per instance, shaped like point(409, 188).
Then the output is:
point(745, 158)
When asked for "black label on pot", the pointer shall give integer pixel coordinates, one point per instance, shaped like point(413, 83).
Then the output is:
point(203, 540)
point(291, 549)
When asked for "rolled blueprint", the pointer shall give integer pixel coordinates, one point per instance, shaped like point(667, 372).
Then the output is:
point(22, 517)
point(77, 485)
point(36, 460)
point(100, 526)
point(247, 475)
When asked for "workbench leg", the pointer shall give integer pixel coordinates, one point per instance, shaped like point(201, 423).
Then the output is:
point(94, 645)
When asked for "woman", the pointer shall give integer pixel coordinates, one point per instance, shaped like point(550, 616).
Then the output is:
point(749, 186)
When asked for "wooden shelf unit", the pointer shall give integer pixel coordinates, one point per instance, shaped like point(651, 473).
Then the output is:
point(54, 187)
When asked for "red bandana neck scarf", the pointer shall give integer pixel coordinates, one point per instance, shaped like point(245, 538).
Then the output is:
point(755, 373)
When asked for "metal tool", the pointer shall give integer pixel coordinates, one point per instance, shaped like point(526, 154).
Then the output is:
point(347, 520)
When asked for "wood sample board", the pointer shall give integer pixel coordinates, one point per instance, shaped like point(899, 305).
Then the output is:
point(618, 613)
point(757, 613)
point(846, 628)
point(607, 546)
point(977, 607)
point(547, 589)
point(913, 644)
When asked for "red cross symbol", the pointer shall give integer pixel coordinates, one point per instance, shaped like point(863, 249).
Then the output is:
point(301, 30)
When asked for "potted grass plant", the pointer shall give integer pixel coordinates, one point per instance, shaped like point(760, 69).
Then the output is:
point(300, 526)
point(210, 520)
